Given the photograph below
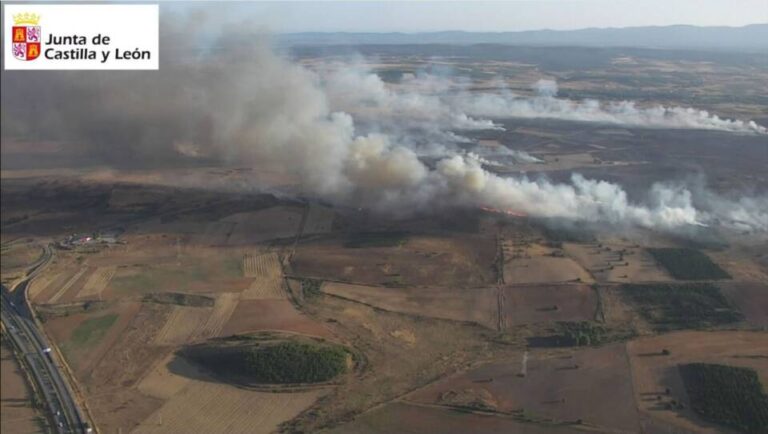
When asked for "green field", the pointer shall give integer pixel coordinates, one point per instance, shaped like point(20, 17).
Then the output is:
point(87, 335)
point(681, 306)
point(172, 276)
point(727, 395)
point(688, 264)
point(91, 331)
point(376, 239)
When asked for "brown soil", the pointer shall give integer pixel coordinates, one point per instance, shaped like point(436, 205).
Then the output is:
point(554, 387)
point(547, 303)
point(257, 315)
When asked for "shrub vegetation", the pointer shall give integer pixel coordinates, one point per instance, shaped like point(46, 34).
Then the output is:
point(688, 264)
point(727, 395)
point(283, 362)
point(572, 334)
point(293, 362)
point(376, 239)
point(681, 306)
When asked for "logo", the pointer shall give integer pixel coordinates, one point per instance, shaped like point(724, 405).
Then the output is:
point(26, 36)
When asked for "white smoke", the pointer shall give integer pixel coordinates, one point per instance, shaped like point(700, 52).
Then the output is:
point(547, 88)
point(418, 103)
point(546, 105)
point(249, 105)
point(425, 100)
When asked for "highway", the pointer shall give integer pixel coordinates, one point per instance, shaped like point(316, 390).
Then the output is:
point(35, 350)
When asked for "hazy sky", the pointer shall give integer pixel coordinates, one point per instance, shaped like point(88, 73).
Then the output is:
point(511, 15)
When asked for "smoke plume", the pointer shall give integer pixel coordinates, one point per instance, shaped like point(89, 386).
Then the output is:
point(546, 105)
point(342, 134)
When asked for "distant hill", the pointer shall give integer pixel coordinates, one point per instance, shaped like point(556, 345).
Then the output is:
point(748, 38)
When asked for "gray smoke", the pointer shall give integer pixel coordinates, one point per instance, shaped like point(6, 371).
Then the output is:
point(448, 103)
point(241, 102)
point(546, 105)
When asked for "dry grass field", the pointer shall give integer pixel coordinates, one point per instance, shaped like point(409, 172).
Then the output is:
point(204, 405)
point(201, 270)
point(39, 284)
point(110, 384)
point(96, 283)
point(460, 261)
point(533, 304)
point(271, 314)
point(751, 298)
point(184, 324)
point(268, 224)
point(47, 288)
point(16, 256)
point(319, 220)
point(225, 305)
point(654, 373)
point(75, 282)
point(526, 262)
point(616, 262)
point(401, 354)
point(477, 305)
point(87, 337)
point(400, 417)
point(267, 275)
point(552, 389)
point(187, 324)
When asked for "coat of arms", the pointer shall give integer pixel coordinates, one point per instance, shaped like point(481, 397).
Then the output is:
point(26, 36)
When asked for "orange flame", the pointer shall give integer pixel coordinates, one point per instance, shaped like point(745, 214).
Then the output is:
point(509, 212)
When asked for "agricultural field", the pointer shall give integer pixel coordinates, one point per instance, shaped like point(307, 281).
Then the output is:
point(475, 305)
point(658, 385)
point(678, 306)
point(750, 298)
point(193, 272)
point(408, 417)
point(187, 324)
point(526, 262)
point(726, 395)
point(547, 387)
point(96, 283)
point(532, 304)
point(398, 261)
point(212, 407)
point(401, 352)
point(271, 314)
point(267, 277)
point(320, 220)
point(688, 264)
point(87, 334)
point(16, 256)
point(478, 305)
point(617, 262)
point(259, 226)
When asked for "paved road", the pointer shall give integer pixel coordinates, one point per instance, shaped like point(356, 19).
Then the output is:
point(49, 380)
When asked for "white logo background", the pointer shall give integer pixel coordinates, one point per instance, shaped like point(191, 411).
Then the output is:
point(129, 27)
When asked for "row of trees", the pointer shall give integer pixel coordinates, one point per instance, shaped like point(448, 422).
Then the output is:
point(727, 395)
point(688, 264)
